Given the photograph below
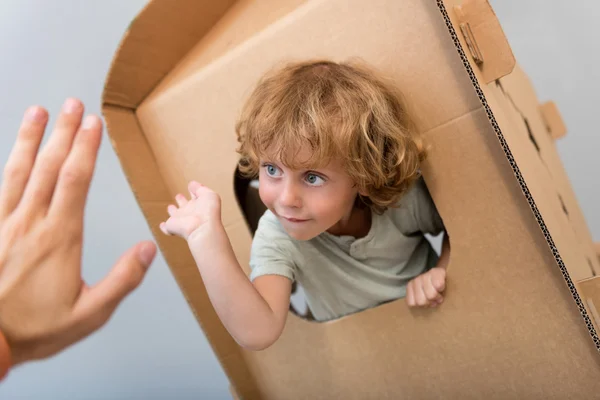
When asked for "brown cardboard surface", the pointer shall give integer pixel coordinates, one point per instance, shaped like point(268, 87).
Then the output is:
point(516, 322)
point(554, 122)
point(244, 19)
point(156, 40)
point(144, 175)
point(539, 180)
point(590, 294)
point(485, 39)
point(521, 95)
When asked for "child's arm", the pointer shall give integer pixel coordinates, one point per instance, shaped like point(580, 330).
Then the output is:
point(445, 253)
point(426, 289)
point(253, 314)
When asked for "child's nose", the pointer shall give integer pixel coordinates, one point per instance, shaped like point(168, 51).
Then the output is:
point(290, 196)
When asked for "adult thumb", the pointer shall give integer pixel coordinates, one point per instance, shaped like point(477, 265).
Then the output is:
point(100, 300)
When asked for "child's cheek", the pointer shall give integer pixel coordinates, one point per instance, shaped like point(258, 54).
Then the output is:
point(266, 193)
point(327, 203)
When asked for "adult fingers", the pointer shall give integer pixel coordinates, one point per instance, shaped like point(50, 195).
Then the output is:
point(21, 159)
point(68, 201)
point(40, 187)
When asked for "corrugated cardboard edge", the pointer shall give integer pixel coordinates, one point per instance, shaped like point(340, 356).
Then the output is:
point(130, 79)
point(153, 198)
point(485, 39)
point(131, 106)
point(468, 66)
point(135, 70)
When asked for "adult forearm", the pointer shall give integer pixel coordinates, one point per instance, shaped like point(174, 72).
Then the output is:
point(244, 312)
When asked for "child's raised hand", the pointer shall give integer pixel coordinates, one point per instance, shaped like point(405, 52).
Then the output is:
point(426, 289)
point(204, 206)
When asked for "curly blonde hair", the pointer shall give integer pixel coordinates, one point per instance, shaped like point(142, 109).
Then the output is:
point(340, 110)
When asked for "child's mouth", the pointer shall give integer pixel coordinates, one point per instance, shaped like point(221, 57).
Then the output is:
point(297, 220)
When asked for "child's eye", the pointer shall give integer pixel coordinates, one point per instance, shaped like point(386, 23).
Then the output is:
point(271, 170)
point(314, 180)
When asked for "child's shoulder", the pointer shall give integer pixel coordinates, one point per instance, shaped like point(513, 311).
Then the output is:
point(273, 250)
point(416, 211)
point(414, 196)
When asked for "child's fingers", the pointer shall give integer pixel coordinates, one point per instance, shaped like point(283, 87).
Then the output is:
point(429, 289)
point(410, 296)
point(181, 200)
point(420, 297)
point(171, 209)
point(193, 187)
point(181, 226)
point(438, 279)
point(163, 228)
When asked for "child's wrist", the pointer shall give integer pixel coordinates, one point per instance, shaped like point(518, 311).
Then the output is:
point(207, 231)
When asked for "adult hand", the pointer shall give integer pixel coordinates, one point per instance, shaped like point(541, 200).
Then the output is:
point(45, 305)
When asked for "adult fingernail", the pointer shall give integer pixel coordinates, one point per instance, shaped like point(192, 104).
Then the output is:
point(71, 105)
point(147, 253)
point(89, 122)
point(35, 113)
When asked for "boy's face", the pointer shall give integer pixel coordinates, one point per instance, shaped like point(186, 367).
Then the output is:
point(307, 202)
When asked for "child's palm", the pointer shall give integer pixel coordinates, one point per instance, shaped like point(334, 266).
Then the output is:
point(203, 206)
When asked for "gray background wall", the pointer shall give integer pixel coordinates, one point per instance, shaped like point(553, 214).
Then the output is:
point(153, 348)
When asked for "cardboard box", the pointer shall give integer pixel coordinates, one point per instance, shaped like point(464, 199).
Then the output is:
point(520, 317)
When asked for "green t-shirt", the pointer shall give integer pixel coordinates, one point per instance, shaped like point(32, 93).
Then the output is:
point(341, 274)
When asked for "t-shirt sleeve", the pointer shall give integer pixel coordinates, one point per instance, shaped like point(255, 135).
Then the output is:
point(417, 212)
point(272, 250)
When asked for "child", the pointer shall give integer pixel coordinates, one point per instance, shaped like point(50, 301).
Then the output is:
point(337, 157)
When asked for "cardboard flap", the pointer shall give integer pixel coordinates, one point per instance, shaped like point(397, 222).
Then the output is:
point(589, 289)
point(156, 40)
point(553, 120)
point(485, 39)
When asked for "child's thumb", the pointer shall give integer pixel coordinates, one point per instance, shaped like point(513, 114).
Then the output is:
point(439, 279)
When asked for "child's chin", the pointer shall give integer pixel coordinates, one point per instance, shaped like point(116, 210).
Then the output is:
point(301, 235)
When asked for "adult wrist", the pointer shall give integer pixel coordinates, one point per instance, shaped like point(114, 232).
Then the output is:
point(6, 361)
